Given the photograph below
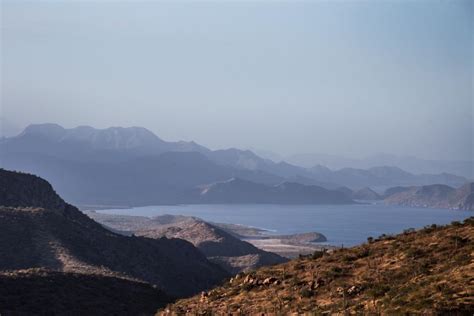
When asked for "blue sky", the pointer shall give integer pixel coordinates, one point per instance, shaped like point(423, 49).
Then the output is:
point(342, 77)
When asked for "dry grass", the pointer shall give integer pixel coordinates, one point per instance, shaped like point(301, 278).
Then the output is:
point(430, 271)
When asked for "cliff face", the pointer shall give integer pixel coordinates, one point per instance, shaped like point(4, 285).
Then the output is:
point(51, 234)
point(426, 272)
point(434, 196)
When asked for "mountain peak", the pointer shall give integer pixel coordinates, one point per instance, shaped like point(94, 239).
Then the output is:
point(47, 130)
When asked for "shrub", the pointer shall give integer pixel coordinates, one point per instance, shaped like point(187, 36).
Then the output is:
point(306, 293)
point(365, 252)
point(335, 272)
point(317, 255)
point(408, 231)
point(378, 290)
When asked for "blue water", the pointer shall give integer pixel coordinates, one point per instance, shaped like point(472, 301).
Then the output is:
point(342, 224)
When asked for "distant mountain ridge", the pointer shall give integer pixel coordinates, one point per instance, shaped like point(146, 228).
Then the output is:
point(415, 165)
point(236, 190)
point(85, 142)
point(132, 166)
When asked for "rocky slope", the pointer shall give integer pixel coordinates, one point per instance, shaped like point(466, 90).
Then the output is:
point(435, 196)
point(219, 246)
point(428, 272)
point(52, 234)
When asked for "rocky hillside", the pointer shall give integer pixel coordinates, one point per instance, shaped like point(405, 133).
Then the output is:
point(21, 189)
point(435, 196)
point(219, 246)
point(52, 234)
point(429, 271)
point(34, 291)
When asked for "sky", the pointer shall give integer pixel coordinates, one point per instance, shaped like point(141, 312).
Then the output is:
point(350, 78)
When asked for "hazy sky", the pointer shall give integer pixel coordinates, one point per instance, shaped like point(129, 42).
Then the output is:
point(341, 77)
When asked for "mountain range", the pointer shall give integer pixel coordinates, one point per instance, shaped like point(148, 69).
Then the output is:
point(133, 166)
point(464, 168)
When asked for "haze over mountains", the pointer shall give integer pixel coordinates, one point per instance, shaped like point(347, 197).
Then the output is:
point(411, 164)
point(133, 166)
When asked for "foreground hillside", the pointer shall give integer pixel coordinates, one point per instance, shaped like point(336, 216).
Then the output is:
point(34, 291)
point(430, 271)
point(39, 230)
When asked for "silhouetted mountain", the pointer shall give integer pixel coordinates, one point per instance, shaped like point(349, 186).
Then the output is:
point(241, 191)
point(52, 234)
point(437, 196)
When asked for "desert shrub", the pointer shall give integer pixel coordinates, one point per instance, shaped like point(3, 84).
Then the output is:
point(317, 255)
point(306, 293)
point(458, 240)
point(363, 253)
point(299, 267)
point(408, 231)
point(335, 272)
point(348, 258)
point(294, 280)
point(430, 228)
point(469, 221)
point(462, 258)
point(246, 287)
point(378, 290)
point(414, 253)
